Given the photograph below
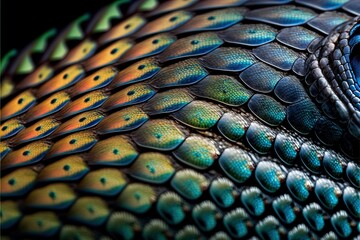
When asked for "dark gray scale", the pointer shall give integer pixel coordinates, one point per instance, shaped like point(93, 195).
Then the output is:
point(353, 6)
point(290, 90)
point(327, 21)
point(324, 5)
point(328, 131)
point(299, 66)
point(261, 77)
point(276, 55)
point(296, 37)
point(266, 2)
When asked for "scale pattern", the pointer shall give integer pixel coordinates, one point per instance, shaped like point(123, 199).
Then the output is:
point(178, 119)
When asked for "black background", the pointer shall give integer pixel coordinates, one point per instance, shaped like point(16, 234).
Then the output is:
point(24, 20)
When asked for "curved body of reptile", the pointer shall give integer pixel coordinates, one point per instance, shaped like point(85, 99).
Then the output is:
point(186, 119)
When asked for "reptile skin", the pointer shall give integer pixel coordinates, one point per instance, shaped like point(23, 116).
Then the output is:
point(186, 119)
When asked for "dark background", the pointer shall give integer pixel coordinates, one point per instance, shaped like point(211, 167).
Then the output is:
point(24, 20)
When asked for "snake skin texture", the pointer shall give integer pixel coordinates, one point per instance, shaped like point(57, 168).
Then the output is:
point(186, 119)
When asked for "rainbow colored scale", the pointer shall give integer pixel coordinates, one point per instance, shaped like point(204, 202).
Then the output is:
point(284, 208)
point(199, 114)
point(72, 231)
point(182, 73)
point(152, 167)
point(260, 137)
point(328, 193)
point(82, 51)
point(51, 105)
point(87, 102)
point(108, 55)
point(269, 175)
point(137, 198)
point(123, 29)
point(131, 95)
point(314, 216)
point(18, 105)
point(253, 200)
point(74, 143)
point(10, 214)
point(67, 169)
point(159, 134)
point(195, 45)
point(39, 224)
point(299, 185)
point(167, 102)
point(124, 120)
point(149, 47)
point(53, 197)
point(27, 155)
point(237, 164)
point(206, 215)
point(222, 88)
point(41, 129)
point(80, 122)
point(197, 152)
point(122, 225)
point(189, 184)
point(171, 207)
point(228, 59)
point(237, 222)
point(91, 211)
point(233, 126)
point(165, 23)
point(214, 20)
point(136, 72)
point(64, 79)
point(114, 151)
point(17, 182)
point(40, 75)
point(97, 80)
point(104, 182)
point(10, 128)
point(223, 192)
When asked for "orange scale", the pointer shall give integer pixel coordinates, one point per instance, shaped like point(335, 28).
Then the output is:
point(81, 52)
point(18, 105)
point(40, 75)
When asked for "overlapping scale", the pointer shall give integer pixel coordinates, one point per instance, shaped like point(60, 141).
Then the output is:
point(114, 151)
point(260, 137)
point(352, 7)
point(74, 143)
point(17, 182)
point(233, 126)
point(108, 55)
point(237, 164)
point(297, 37)
point(156, 229)
point(149, 47)
point(197, 152)
point(124, 120)
point(18, 105)
point(189, 184)
point(67, 169)
point(210, 4)
point(214, 20)
point(39, 224)
point(285, 208)
point(237, 222)
point(123, 29)
point(82, 51)
point(40, 75)
point(249, 34)
point(269, 175)
point(328, 132)
point(29, 154)
point(73, 231)
point(300, 231)
point(351, 198)
point(333, 164)
point(253, 200)
point(299, 185)
point(323, 5)
point(228, 59)
point(159, 134)
point(171, 207)
point(4, 149)
point(284, 16)
point(10, 128)
point(122, 225)
point(223, 192)
point(287, 147)
point(267, 109)
point(171, 6)
point(186, 72)
point(315, 216)
point(80, 122)
point(165, 23)
point(311, 156)
point(87, 102)
point(92, 211)
point(168, 101)
point(276, 55)
point(290, 90)
point(38, 130)
point(268, 228)
point(199, 115)
point(131, 95)
point(64, 79)
point(10, 214)
point(137, 198)
point(353, 173)
point(51, 105)
point(152, 167)
point(327, 192)
point(222, 88)
point(188, 232)
point(97, 80)
point(327, 21)
point(194, 45)
point(53, 196)
point(341, 223)
point(206, 215)
point(104, 181)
